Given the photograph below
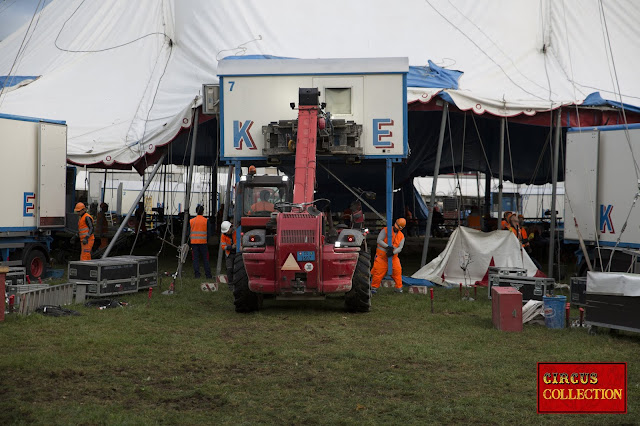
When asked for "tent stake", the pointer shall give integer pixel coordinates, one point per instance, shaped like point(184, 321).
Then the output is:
point(187, 198)
point(554, 185)
point(436, 171)
point(133, 206)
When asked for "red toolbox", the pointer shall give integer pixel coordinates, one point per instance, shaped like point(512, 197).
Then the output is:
point(506, 308)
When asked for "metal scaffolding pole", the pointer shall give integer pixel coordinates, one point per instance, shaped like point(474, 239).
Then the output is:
point(389, 206)
point(554, 187)
point(225, 213)
point(187, 198)
point(501, 176)
point(436, 171)
point(355, 194)
point(133, 206)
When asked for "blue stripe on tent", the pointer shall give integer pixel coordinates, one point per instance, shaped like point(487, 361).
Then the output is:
point(594, 99)
point(257, 57)
point(8, 81)
point(423, 206)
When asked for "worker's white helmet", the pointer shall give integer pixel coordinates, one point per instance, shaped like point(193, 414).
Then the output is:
point(225, 226)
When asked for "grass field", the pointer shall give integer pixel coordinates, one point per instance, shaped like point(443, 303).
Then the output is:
point(190, 359)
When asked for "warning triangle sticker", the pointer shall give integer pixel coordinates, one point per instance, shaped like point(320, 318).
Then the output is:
point(290, 264)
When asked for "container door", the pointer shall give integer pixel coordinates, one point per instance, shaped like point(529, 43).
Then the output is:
point(581, 185)
point(52, 175)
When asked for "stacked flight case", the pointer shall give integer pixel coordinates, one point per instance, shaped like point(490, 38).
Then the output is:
point(532, 288)
point(147, 270)
point(104, 277)
point(114, 275)
point(495, 271)
point(16, 276)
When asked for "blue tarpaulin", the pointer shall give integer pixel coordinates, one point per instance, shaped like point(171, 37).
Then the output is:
point(8, 81)
point(595, 99)
point(416, 281)
point(433, 76)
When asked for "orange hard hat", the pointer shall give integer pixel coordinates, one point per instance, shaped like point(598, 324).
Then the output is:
point(79, 207)
point(401, 223)
point(252, 170)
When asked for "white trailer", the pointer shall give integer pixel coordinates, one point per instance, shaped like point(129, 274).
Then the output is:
point(602, 188)
point(33, 173)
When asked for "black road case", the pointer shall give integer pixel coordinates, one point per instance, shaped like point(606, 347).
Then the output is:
point(578, 291)
point(104, 277)
point(504, 270)
point(16, 276)
point(530, 287)
point(618, 312)
point(147, 270)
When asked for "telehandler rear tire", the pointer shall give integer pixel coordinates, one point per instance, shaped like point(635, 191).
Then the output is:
point(243, 298)
point(358, 299)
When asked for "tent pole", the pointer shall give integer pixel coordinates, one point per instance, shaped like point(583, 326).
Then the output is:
point(133, 207)
point(187, 197)
point(501, 177)
point(554, 185)
point(214, 172)
point(225, 212)
point(389, 176)
point(104, 187)
point(436, 171)
point(355, 194)
point(237, 212)
point(487, 198)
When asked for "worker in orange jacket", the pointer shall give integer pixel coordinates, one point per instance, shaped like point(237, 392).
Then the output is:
point(263, 205)
point(85, 231)
point(386, 250)
point(228, 243)
point(199, 225)
point(524, 235)
point(505, 221)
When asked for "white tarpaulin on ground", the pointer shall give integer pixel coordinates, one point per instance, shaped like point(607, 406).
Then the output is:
point(469, 253)
point(125, 74)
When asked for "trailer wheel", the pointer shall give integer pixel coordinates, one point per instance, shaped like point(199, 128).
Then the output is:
point(358, 299)
point(36, 264)
point(243, 298)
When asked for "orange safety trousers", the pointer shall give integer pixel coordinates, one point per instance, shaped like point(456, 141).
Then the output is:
point(85, 254)
point(381, 266)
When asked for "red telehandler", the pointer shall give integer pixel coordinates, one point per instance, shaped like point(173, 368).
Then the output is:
point(289, 247)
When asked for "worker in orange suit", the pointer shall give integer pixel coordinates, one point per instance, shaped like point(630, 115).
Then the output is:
point(199, 225)
point(386, 250)
point(85, 231)
point(228, 243)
